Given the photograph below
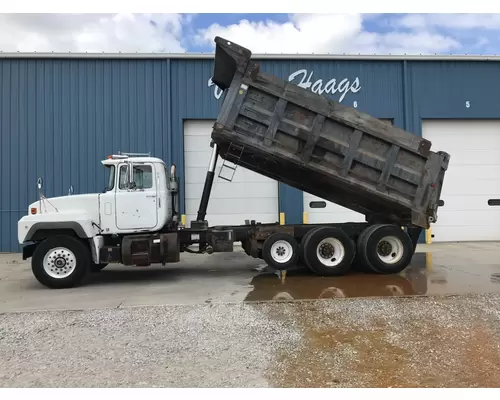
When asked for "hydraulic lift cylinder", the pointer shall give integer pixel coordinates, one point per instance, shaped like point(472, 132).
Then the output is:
point(209, 180)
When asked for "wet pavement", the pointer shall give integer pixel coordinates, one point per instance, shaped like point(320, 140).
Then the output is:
point(437, 269)
point(428, 274)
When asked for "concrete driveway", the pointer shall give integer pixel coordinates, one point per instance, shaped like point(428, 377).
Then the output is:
point(437, 269)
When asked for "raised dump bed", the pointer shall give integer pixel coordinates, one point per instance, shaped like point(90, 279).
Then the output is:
point(320, 146)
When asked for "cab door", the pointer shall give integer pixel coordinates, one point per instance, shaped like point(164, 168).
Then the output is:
point(137, 208)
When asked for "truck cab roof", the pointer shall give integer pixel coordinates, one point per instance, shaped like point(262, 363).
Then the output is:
point(117, 159)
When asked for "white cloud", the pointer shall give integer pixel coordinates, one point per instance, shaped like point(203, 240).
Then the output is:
point(482, 41)
point(91, 32)
point(304, 33)
point(450, 21)
point(337, 34)
point(405, 43)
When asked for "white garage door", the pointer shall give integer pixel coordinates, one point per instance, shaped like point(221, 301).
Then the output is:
point(473, 177)
point(321, 211)
point(248, 196)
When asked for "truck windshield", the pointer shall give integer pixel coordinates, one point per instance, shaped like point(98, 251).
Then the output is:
point(111, 178)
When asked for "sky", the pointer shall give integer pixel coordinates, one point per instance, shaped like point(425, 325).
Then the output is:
point(261, 33)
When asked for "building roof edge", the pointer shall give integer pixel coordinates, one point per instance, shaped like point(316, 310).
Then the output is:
point(191, 56)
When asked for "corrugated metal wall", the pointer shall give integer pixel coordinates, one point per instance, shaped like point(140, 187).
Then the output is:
point(59, 118)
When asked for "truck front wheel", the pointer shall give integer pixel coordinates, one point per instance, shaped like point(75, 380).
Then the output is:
point(61, 262)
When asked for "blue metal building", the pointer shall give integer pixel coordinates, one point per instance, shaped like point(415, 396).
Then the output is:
point(61, 114)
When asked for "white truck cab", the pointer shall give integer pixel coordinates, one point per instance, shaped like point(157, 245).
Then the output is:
point(131, 202)
point(137, 198)
point(137, 195)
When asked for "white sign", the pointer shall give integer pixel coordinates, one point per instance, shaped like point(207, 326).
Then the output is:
point(305, 81)
point(331, 87)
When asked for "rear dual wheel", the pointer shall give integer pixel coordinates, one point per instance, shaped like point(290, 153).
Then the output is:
point(327, 251)
point(384, 249)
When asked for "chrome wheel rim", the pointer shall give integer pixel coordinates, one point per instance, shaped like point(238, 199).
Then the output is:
point(59, 263)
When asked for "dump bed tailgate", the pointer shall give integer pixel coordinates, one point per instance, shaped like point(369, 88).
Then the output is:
point(322, 147)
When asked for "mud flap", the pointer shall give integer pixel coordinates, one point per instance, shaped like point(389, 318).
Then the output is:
point(415, 234)
point(28, 250)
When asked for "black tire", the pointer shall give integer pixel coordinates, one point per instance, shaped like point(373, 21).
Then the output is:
point(97, 267)
point(339, 253)
point(280, 245)
point(385, 249)
point(77, 268)
point(360, 263)
point(302, 249)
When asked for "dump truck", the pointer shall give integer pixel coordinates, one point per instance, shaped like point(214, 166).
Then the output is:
point(274, 128)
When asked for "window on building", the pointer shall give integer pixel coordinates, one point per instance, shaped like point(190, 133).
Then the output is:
point(143, 177)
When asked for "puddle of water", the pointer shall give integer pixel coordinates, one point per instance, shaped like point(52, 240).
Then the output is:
point(428, 274)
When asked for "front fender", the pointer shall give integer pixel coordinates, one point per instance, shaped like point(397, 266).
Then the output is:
point(36, 227)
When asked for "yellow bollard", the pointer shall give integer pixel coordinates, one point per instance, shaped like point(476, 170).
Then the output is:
point(428, 236)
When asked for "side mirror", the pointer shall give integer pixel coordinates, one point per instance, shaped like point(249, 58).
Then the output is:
point(39, 183)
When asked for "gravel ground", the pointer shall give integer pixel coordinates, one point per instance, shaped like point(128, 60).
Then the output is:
point(417, 342)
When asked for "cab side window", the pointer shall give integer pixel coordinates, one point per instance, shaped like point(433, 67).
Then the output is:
point(143, 177)
point(111, 178)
